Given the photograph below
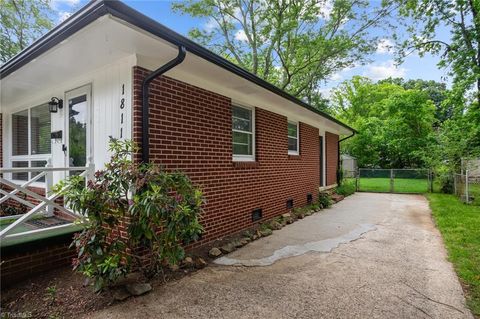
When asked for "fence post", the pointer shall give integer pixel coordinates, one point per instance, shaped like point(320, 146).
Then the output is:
point(467, 198)
point(357, 176)
point(391, 181)
point(455, 184)
point(430, 181)
point(49, 185)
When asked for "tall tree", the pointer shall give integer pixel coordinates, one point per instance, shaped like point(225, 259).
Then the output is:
point(437, 92)
point(460, 54)
point(294, 44)
point(22, 22)
point(395, 124)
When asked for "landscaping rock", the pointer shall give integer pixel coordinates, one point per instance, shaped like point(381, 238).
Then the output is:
point(215, 252)
point(244, 241)
point(227, 248)
point(300, 216)
point(247, 234)
point(238, 243)
point(138, 289)
point(174, 267)
point(275, 225)
point(200, 263)
point(188, 261)
point(120, 294)
point(287, 216)
point(247, 239)
point(255, 237)
point(130, 278)
point(266, 232)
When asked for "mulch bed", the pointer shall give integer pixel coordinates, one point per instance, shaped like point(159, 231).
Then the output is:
point(61, 293)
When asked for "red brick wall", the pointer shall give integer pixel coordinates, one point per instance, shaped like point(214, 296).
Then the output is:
point(190, 130)
point(25, 260)
point(331, 151)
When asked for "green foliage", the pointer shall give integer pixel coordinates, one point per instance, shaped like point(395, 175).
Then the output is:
point(51, 294)
point(459, 54)
point(23, 21)
point(347, 187)
point(460, 228)
point(295, 44)
point(160, 208)
point(324, 200)
point(436, 91)
point(395, 124)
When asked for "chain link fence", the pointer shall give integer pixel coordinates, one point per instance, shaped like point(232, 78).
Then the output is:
point(467, 187)
point(413, 181)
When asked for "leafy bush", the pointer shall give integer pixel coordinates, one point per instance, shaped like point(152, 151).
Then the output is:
point(346, 188)
point(324, 200)
point(128, 209)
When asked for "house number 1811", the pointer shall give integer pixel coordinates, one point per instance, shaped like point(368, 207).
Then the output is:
point(122, 107)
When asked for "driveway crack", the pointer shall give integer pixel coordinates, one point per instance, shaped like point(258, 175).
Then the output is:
point(432, 300)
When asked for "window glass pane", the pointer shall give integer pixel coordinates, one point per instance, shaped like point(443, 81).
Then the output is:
point(40, 129)
point(20, 133)
point(241, 124)
point(39, 164)
point(292, 144)
point(242, 113)
point(292, 130)
point(77, 134)
point(241, 138)
point(240, 149)
point(242, 143)
point(23, 176)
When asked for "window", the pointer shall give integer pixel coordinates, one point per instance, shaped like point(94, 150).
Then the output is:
point(243, 134)
point(31, 145)
point(292, 138)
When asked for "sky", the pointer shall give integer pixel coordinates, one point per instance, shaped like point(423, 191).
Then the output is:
point(382, 63)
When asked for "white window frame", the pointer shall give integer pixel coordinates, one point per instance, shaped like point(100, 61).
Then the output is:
point(29, 157)
point(297, 152)
point(245, 158)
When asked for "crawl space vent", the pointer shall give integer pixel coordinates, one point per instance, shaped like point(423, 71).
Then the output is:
point(309, 198)
point(256, 214)
point(289, 203)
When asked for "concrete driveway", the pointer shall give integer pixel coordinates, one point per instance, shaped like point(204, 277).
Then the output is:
point(370, 256)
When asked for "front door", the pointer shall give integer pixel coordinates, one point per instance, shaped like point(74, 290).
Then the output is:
point(77, 147)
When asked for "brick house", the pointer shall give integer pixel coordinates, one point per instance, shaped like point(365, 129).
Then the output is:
point(109, 71)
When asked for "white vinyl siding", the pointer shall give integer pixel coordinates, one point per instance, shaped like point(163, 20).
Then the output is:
point(293, 143)
point(243, 133)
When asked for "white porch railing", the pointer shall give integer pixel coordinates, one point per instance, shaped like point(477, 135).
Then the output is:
point(46, 205)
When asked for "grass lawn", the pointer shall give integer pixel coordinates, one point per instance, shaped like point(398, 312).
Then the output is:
point(401, 185)
point(474, 190)
point(460, 227)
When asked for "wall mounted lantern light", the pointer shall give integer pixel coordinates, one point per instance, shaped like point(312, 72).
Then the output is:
point(55, 104)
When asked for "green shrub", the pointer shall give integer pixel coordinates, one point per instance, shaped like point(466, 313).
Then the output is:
point(324, 200)
point(162, 210)
point(346, 188)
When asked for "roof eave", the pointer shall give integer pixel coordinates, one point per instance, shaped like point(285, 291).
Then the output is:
point(96, 9)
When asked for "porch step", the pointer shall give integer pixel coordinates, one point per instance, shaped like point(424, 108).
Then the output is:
point(47, 222)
